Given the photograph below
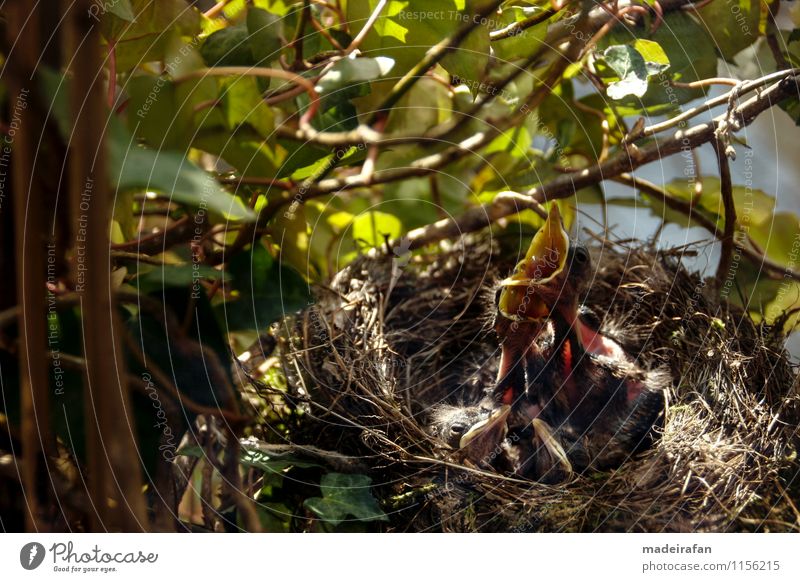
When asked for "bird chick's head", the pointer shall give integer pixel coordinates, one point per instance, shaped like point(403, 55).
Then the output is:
point(553, 273)
point(475, 430)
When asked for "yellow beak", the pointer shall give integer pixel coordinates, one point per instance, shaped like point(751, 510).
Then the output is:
point(545, 260)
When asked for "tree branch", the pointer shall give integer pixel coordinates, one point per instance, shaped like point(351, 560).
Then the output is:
point(773, 269)
point(625, 161)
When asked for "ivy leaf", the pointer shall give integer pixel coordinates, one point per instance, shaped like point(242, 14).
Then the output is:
point(523, 43)
point(633, 71)
point(349, 71)
point(122, 9)
point(374, 226)
point(262, 290)
point(689, 61)
point(253, 456)
point(242, 104)
point(228, 47)
point(345, 495)
point(153, 278)
point(145, 37)
point(134, 168)
point(264, 29)
point(405, 31)
point(733, 24)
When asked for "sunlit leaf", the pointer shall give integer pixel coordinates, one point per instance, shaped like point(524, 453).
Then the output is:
point(134, 168)
point(349, 71)
point(733, 24)
point(374, 227)
point(633, 71)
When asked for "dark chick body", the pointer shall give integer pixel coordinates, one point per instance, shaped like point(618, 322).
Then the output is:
point(586, 394)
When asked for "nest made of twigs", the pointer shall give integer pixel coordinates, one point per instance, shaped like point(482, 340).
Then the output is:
point(390, 339)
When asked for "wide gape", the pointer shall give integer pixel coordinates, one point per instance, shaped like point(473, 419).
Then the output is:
point(578, 399)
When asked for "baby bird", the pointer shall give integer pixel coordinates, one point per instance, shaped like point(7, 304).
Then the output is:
point(476, 432)
point(582, 390)
point(522, 315)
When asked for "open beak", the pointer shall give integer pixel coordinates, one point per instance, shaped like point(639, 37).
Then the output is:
point(544, 434)
point(491, 430)
point(546, 259)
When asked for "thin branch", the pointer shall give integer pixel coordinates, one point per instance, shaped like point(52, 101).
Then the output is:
point(625, 161)
point(634, 157)
point(297, 41)
point(726, 189)
point(773, 269)
point(707, 82)
point(158, 242)
point(744, 87)
point(435, 54)
point(504, 204)
point(306, 84)
point(362, 34)
point(516, 28)
point(215, 10)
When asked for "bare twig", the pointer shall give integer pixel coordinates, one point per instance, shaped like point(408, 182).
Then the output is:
point(516, 28)
point(772, 269)
point(726, 189)
point(435, 54)
point(362, 34)
point(744, 87)
point(306, 84)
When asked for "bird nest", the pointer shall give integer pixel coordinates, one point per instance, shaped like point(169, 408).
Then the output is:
point(391, 338)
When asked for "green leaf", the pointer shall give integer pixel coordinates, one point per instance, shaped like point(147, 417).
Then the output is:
point(406, 30)
point(345, 495)
point(167, 114)
point(242, 104)
point(134, 168)
point(162, 113)
point(249, 152)
point(264, 30)
point(733, 24)
point(122, 9)
point(522, 44)
point(145, 38)
point(778, 237)
point(633, 71)
point(262, 290)
point(228, 47)
point(159, 277)
point(347, 72)
point(374, 227)
point(756, 205)
point(255, 41)
point(688, 61)
point(651, 52)
point(469, 60)
point(252, 456)
point(786, 298)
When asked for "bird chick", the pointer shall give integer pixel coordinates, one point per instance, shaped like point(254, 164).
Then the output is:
point(476, 432)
